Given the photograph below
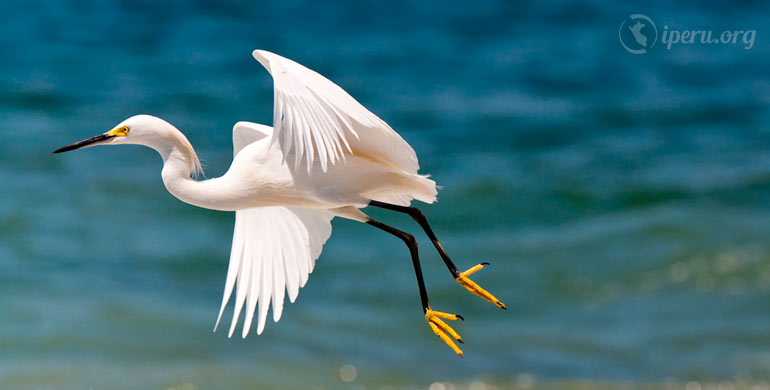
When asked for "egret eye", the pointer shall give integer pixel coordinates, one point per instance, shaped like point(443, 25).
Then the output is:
point(119, 131)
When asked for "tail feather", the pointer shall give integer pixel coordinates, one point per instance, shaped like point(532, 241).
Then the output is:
point(402, 189)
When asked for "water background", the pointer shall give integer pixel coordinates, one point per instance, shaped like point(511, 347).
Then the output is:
point(623, 200)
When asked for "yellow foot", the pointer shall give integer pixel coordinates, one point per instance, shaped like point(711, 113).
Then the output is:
point(442, 330)
point(475, 288)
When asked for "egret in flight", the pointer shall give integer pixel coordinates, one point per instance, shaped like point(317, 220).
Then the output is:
point(325, 156)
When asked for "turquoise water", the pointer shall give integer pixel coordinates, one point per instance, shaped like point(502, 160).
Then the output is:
point(622, 199)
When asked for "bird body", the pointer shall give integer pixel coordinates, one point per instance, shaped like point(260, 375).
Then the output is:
point(325, 156)
point(258, 176)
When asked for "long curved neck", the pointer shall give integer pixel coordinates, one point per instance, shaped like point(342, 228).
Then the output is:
point(178, 168)
point(176, 176)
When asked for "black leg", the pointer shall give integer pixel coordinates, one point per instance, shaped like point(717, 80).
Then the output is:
point(411, 243)
point(418, 216)
point(434, 318)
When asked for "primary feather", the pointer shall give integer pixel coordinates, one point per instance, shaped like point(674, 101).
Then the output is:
point(274, 250)
point(316, 121)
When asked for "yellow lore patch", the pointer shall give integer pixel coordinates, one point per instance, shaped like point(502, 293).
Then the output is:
point(121, 131)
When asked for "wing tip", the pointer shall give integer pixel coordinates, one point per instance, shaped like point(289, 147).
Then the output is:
point(262, 57)
point(258, 53)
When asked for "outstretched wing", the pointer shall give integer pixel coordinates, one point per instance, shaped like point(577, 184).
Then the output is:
point(317, 122)
point(274, 249)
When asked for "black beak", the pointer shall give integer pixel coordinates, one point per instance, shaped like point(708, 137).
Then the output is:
point(84, 143)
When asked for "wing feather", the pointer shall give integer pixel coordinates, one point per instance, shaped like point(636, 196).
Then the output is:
point(274, 251)
point(291, 268)
point(320, 123)
point(265, 286)
point(245, 133)
point(242, 285)
point(236, 254)
point(302, 264)
point(256, 258)
point(279, 294)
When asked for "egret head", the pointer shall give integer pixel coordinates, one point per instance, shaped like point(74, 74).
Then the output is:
point(144, 130)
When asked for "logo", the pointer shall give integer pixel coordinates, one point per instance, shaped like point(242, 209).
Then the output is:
point(637, 34)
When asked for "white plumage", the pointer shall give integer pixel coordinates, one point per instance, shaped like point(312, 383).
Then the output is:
point(325, 156)
point(316, 121)
point(274, 250)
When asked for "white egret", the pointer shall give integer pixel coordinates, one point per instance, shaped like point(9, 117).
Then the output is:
point(325, 156)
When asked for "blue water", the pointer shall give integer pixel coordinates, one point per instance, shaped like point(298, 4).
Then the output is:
point(623, 200)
